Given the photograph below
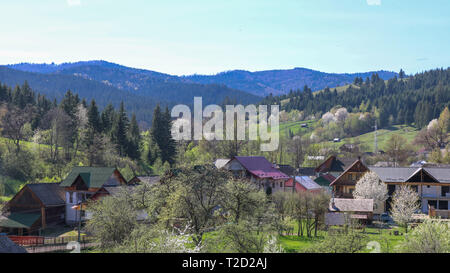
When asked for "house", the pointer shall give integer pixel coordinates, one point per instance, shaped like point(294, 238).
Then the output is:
point(334, 166)
point(286, 169)
point(342, 210)
point(303, 184)
point(33, 208)
point(258, 170)
point(431, 183)
point(344, 185)
point(150, 180)
point(325, 181)
point(83, 183)
point(8, 246)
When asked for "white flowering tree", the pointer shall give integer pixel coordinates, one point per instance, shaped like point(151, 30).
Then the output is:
point(405, 203)
point(371, 187)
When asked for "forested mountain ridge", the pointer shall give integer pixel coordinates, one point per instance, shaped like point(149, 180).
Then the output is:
point(259, 83)
point(109, 83)
point(417, 99)
point(279, 82)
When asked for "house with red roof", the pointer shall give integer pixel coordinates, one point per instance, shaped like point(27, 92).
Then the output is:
point(259, 171)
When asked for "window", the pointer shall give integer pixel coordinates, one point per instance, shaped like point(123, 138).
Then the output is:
point(70, 198)
point(391, 189)
point(443, 205)
point(445, 190)
point(281, 184)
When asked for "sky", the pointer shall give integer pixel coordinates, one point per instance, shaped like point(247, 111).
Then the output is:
point(182, 37)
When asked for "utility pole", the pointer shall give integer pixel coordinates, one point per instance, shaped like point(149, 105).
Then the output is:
point(376, 139)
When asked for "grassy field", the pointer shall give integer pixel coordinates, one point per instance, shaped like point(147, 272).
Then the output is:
point(385, 237)
point(383, 135)
point(296, 127)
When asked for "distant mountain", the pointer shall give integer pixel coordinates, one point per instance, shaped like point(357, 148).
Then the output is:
point(142, 89)
point(279, 82)
point(107, 83)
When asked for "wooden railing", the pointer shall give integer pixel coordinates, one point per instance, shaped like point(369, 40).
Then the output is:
point(41, 241)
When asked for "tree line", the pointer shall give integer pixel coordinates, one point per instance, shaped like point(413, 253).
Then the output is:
point(414, 100)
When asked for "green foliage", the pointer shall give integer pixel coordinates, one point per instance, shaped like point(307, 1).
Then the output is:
point(432, 236)
point(114, 217)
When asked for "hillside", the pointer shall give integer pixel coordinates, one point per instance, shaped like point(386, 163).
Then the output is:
point(260, 83)
point(140, 91)
point(278, 82)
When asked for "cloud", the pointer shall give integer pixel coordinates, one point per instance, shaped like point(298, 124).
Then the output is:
point(373, 2)
point(73, 3)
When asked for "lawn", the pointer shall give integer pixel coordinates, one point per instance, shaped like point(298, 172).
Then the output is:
point(296, 126)
point(383, 135)
point(385, 237)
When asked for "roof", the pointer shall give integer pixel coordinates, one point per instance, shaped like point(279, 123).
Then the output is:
point(50, 194)
point(307, 182)
point(325, 180)
point(94, 177)
point(307, 171)
point(351, 205)
point(221, 162)
point(8, 246)
point(149, 179)
point(19, 220)
point(402, 174)
point(358, 164)
point(334, 164)
point(286, 169)
point(260, 167)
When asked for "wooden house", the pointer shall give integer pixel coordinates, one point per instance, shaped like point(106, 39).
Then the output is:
point(344, 185)
point(83, 183)
point(334, 166)
point(33, 208)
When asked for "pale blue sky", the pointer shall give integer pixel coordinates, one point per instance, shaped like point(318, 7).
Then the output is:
point(206, 37)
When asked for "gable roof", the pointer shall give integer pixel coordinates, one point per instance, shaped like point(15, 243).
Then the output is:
point(50, 194)
point(325, 180)
point(8, 246)
point(260, 167)
point(351, 205)
point(403, 174)
point(306, 171)
point(94, 177)
point(19, 220)
point(286, 169)
point(355, 164)
point(334, 164)
point(307, 183)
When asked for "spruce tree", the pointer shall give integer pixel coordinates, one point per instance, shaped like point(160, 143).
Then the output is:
point(134, 139)
point(119, 130)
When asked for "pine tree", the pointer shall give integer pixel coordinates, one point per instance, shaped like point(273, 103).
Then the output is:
point(120, 129)
point(94, 117)
point(162, 136)
point(134, 139)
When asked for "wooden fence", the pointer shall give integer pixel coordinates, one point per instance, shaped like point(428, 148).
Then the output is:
point(44, 241)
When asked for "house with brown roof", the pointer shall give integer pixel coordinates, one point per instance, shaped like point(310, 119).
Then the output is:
point(344, 185)
point(334, 166)
point(258, 170)
point(34, 208)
